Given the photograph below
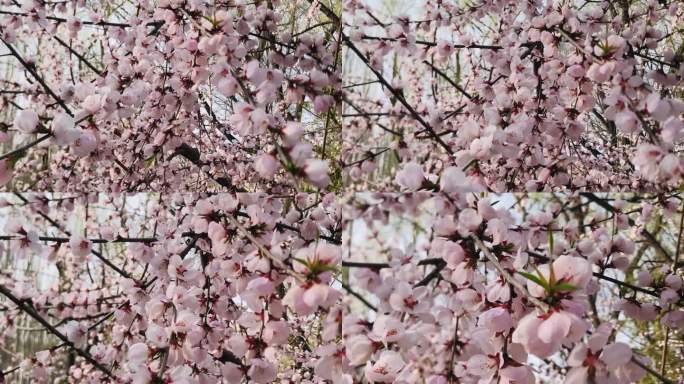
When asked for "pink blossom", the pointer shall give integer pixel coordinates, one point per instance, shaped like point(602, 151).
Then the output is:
point(388, 328)
point(26, 121)
point(306, 300)
point(385, 369)
point(64, 130)
point(231, 372)
point(526, 333)
point(276, 332)
point(262, 371)
point(616, 355)
point(73, 24)
point(453, 180)
point(266, 165)
point(261, 286)
point(85, 144)
point(181, 269)
point(444, 49)
point(647, 160)
point(574, 270)
point(317, 295)
point(627, 122)
point(292, 133)
point(76, 332)
point(137, 354)
point(323, 102)
point(469, 219)
point(410, 177)
point(657, 107)
point(359, 349)
point(227, 85)
point(92, 103)
point(317, 172)
point(497, 319)
point(517, 375)
point(555, 327)
point(407, 299)
point(330, 366)
point(157, 336)
point(577, 375)
point(79, 246)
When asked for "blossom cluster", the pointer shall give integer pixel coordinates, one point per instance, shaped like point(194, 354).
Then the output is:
point(520, 95)
point(166, 96)
point(341, 191)
point(219, 289)
point(508, 288)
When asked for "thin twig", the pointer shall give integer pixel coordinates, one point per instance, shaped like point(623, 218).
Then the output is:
point(28, 309)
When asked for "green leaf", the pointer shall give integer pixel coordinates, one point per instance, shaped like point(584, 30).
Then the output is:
point(564, 287)
point(301, 261)
point(150, 161)
point(326, 268)
point(213, 22)
point(315, 267)
point(536, 279)
point(291, 167)
point(541, 277)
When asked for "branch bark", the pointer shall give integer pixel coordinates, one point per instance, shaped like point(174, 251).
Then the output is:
point(28, 309)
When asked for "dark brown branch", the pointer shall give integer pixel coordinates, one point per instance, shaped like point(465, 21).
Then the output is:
point(23, 148)
point(648, 235)
point(358, 296)
point(28, 309)
point(78, 55)
point(436, 261)
point(56, 239)
point(193, 155)
point(94, 252)
point(433, 44)
point(155, 23)
point(30, 68)
point(398, 95)
point(445, 77)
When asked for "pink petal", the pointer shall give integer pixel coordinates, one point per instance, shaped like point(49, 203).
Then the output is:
point(555, 328)
point(616, 354)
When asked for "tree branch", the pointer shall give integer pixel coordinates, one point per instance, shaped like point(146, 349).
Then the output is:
point(28, 309)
